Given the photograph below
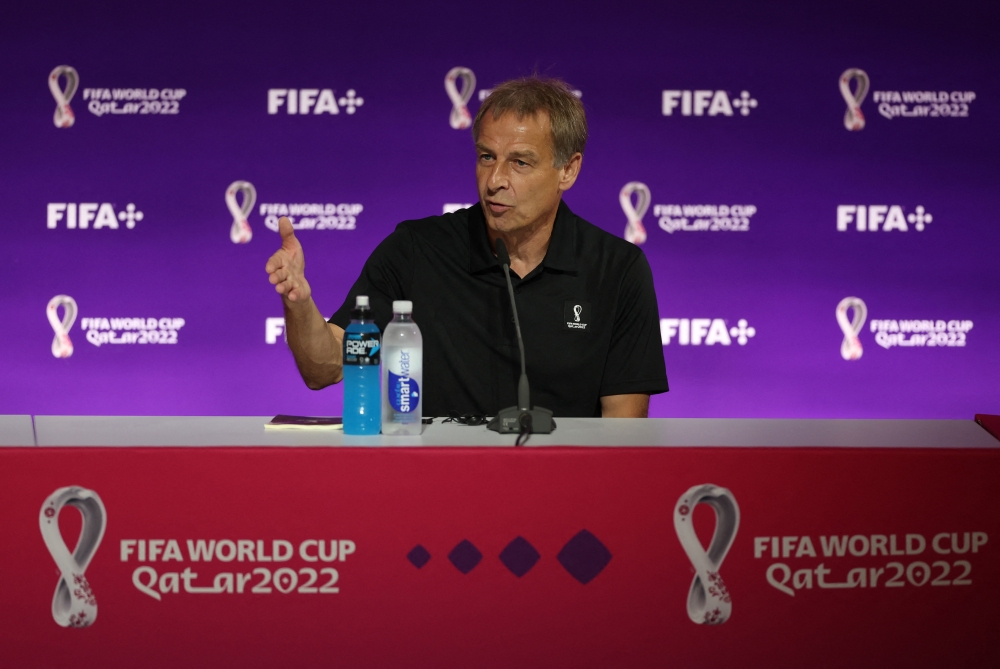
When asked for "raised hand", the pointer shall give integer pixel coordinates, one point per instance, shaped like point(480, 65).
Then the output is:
point(286, 268)
point(316, 344)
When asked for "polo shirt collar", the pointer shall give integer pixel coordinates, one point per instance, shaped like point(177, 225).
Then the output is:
point(561, 254)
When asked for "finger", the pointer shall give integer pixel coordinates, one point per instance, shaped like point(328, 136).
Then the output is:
point(275, 262)
point(285, 229)
point(278, 275)
point(288, 286)
point(289, 291)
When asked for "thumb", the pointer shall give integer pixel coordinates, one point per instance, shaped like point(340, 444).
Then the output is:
point(285, 229)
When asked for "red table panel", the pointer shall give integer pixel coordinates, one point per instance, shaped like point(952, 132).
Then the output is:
point(929, 606)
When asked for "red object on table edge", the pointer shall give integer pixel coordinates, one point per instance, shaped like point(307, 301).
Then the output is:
point(989, 423)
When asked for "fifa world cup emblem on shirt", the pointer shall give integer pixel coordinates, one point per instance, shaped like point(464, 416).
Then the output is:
point(850, 348)
point(708, 602)
point(854, 119)
point(73, 604)
point(63, 117)
point(240, 231)
point(62, 347)
point(460, 118)
point(635, 231)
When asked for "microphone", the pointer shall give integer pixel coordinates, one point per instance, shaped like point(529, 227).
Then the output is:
point(522, 419)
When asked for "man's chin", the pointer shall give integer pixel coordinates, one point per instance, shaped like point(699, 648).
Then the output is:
point(502, 222)
point(503, 225)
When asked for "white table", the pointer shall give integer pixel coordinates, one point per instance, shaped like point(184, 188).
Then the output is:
point(16, 430)
point(704, 432)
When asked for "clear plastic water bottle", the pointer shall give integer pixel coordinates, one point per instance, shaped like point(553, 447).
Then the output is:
point(402, 372)
point(362, 351)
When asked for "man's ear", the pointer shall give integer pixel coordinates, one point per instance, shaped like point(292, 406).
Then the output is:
point(570, 171)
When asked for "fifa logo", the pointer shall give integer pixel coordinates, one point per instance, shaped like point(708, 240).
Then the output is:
point(240, 232)
point(62, 347)
point(63, 118)
point(854, 119)
point(460, 118)
point(709, 601)
point(850, 348)
point(635, 231)
point(74, 603)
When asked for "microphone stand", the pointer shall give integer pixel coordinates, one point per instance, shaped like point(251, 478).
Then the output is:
point(522, 419)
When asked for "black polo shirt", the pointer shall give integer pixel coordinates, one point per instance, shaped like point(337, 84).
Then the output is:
point(588, 315)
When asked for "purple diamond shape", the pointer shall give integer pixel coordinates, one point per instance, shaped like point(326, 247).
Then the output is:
point(465, 556)
point(419, 556)
point(584, 557)
point(519, 556)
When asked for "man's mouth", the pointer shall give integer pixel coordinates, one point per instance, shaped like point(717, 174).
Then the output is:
point(498, 207)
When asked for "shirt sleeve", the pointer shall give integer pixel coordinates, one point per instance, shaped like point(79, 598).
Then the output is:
point(384, 278)
point(635, 356)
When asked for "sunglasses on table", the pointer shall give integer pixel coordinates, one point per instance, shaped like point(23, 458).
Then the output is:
point(465, 418)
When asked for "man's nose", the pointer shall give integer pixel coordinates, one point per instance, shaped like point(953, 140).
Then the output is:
point(499, 176)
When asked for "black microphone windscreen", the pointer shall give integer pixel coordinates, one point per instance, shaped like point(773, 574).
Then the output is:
point(502, 254)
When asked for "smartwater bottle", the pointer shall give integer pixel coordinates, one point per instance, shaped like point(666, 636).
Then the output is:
point(402, 372)
point(362, 351)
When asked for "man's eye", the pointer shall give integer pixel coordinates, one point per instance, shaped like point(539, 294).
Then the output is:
point(521, 163)
point(485, 156)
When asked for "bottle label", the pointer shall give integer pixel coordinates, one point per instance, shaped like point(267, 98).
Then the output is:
point(404, 392)
point(362, 348)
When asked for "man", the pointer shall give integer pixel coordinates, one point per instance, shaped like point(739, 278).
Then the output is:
point(585, 298)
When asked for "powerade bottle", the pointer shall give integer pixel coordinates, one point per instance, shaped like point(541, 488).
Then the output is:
point(362, 351)
point(402, 372)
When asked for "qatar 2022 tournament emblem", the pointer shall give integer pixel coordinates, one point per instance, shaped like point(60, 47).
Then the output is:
point(460, 119)
point(854, 119)
point(850, 348)
point(635, 231)
point(709, 601)
point(63, 118)
point(74, 603)
point(240, 231)
point(62, 347)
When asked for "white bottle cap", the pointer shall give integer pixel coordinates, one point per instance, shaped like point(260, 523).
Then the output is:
point(361, 301)
point(402, 307)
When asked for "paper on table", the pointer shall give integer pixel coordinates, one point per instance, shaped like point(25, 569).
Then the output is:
point(283, 422)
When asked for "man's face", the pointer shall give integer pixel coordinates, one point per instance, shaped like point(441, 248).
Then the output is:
point(518, 185)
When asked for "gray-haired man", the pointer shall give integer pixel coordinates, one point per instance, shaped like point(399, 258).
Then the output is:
point(586, 301)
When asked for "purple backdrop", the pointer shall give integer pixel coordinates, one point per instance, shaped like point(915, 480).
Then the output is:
point(756, 119)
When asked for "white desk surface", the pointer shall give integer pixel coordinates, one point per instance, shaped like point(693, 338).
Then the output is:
point(16, 431)
point(705, 432)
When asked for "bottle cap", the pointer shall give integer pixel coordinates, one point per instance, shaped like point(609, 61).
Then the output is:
point(361, 301)
point(402, 307)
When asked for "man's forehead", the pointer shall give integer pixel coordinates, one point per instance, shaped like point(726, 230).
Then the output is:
point(517, 133)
